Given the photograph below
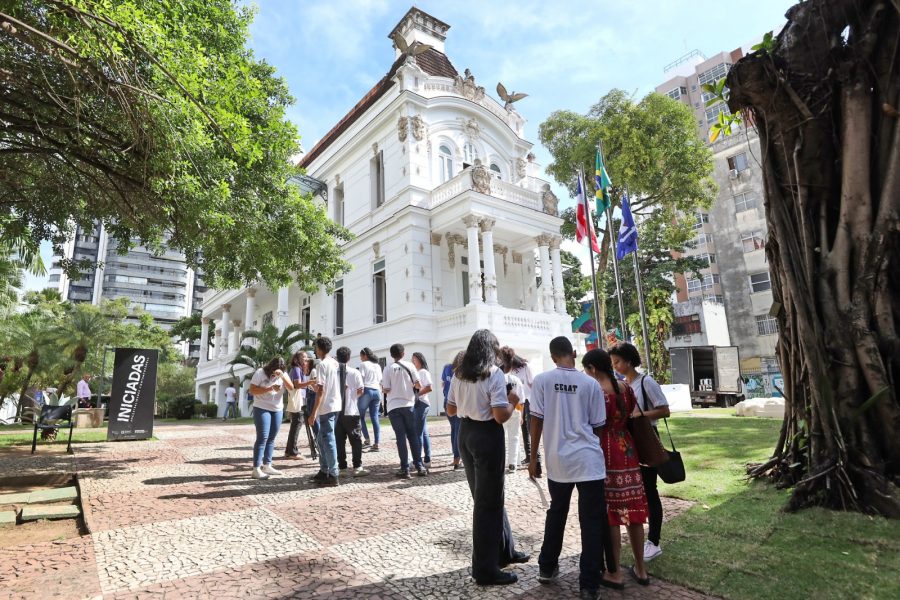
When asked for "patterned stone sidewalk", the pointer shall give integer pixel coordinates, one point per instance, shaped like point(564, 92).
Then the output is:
point(181, 518)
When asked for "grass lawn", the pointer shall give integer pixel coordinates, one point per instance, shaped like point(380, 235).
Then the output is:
point(737, 543)
point(79, 436)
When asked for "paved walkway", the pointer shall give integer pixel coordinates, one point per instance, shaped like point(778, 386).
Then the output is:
point(181, 518)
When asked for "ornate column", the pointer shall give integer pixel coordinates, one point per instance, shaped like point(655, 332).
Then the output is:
point(490, 271)
point(225, 347)
point(234, 342)
point(546, 289)
point(281, 318)
point(559, 295)
point(471, 223)
point(204, 340)
point(250, 311)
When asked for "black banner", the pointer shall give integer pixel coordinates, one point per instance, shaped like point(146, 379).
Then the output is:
point(133, 394)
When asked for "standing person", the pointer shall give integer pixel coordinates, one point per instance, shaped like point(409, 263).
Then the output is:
point(325, 411)
point(266, 386)
point(446, 378)
point(347, 427)
point(480, 397)
point(513, 427)
point(370, 401)
point(567, 409)
point(309, 365)
point(625, 358)
point(626, 503)
point(423, 405)
point(520, 368)
point(83, 391)
point(400, 383)
point(230, 401)
point(300, 381)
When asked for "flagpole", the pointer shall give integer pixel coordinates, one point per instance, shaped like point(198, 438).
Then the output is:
point(612, 240)
point(590, 225)
point(640, 290)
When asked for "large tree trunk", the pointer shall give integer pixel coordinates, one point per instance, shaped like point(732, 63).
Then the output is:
point(825, 101)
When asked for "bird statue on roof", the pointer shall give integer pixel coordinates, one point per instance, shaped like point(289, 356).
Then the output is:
point(507, 97)
point(410, 50)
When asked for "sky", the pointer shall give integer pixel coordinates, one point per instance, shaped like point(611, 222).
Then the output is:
point(565, 54)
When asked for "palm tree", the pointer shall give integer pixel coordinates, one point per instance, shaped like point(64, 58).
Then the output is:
point(10, 281)
point(269, 344)
point(29, 338)
point(83, 327)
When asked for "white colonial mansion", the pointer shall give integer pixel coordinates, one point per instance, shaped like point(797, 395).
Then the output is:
point(453, 230)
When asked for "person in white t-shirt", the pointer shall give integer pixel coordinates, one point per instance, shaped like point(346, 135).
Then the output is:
point(569, 410)
point(513, 427)
point(230, 401)
point(267, 385)
point(625, 360)
point(370, 401)
point(423, 406)
point(520, 368)
point(325, 412)
point(480, 396)
point(400, 382)
point(347, 427)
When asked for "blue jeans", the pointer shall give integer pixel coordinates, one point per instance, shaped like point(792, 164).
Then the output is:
point(403, 422)
point(267, 424)
point(327, 444)
point(454, 435)
point(420, 412)
point(370, 402)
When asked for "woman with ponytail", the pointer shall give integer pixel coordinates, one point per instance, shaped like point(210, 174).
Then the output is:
point(626, 503)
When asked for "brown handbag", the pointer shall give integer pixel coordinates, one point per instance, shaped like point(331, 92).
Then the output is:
point(650, 450)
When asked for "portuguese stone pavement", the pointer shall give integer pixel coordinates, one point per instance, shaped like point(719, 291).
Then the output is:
point(179, 517)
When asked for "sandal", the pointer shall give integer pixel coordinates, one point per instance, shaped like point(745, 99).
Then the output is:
point(611, 584)
point(644, 581)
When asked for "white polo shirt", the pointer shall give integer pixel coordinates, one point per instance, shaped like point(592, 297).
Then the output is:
point(230, 394)
point(475, 400)
point(399, 385)
point(371, 374)
point(655, 396)
point(326, 373)
point(269, 400)
point(572, 405)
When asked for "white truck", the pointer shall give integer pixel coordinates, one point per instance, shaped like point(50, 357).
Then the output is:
point(712, 373)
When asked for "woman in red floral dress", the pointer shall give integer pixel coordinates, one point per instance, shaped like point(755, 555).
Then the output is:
point(626, 503)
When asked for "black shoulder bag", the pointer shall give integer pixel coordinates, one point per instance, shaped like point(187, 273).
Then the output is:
point(671, 471)
point(411, 378)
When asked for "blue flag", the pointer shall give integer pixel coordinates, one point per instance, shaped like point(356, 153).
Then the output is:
point(627, 232)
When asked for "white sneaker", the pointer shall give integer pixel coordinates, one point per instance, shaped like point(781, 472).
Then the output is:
point(270, 470)
point(360, 472)
point(651, 550)
point(258, 473)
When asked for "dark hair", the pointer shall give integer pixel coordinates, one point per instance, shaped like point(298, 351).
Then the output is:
point(509, 356)
point(600, 361)
point(627, 352)
point(561, 346)
point(421, 358)
point(370, 356)
point(308, 364)
point(481, 355)
point(275, 364)
point(230, 384)
point(397, 351)
point(343, 354)
point(324, 344)
point(297, 359)
point(457, 360)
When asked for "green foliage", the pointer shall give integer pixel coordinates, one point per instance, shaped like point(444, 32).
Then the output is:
point(187, 329)
point(766, 46)
point(155, 119)
point(179, 407)
point(575, 285)
point(267, 343)
point(660, 316)
point(725, 122)
point(174, 379)
point(208, 410)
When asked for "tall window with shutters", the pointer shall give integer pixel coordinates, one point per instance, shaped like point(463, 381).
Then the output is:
point(379, 289)
point(376, 176)
point(339, 307)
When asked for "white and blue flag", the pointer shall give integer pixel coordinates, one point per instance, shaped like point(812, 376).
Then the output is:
point(627, 242)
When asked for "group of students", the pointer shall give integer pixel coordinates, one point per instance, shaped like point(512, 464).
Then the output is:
point(582, 418)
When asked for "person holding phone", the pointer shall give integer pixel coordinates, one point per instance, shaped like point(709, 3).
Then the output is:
point(267, 386)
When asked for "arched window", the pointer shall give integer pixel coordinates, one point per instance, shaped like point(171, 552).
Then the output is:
point(445, 160)
point(470, 153)
point(496, 170)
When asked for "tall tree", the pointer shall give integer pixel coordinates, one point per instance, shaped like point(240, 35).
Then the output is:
point(259, 347)
point(824, 97)
point(155, 119)
point(575, 285)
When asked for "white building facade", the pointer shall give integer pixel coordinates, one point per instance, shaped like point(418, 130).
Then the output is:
point(453, 230)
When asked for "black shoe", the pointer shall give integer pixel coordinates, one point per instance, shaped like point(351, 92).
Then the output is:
point(517, 558)
point(330, 481)
point(548, 576)
point(366, 443)
point(404, 474)
point(633, 573)
point(501, 578)
point(586, 594)
point(421, 471)
point(318, 477)
point(374, 448)
point(457, 466)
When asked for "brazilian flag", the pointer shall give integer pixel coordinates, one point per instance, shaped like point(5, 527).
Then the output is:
point(602, 183)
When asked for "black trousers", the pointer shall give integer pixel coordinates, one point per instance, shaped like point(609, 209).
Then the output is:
point(591, 517)
point(292, 448)
point(654, 504)
point(483, 449)
point(348, 427)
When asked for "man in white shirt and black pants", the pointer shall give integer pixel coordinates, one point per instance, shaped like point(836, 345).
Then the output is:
point(569, 409)
point(400, 383)
point(347, 425)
